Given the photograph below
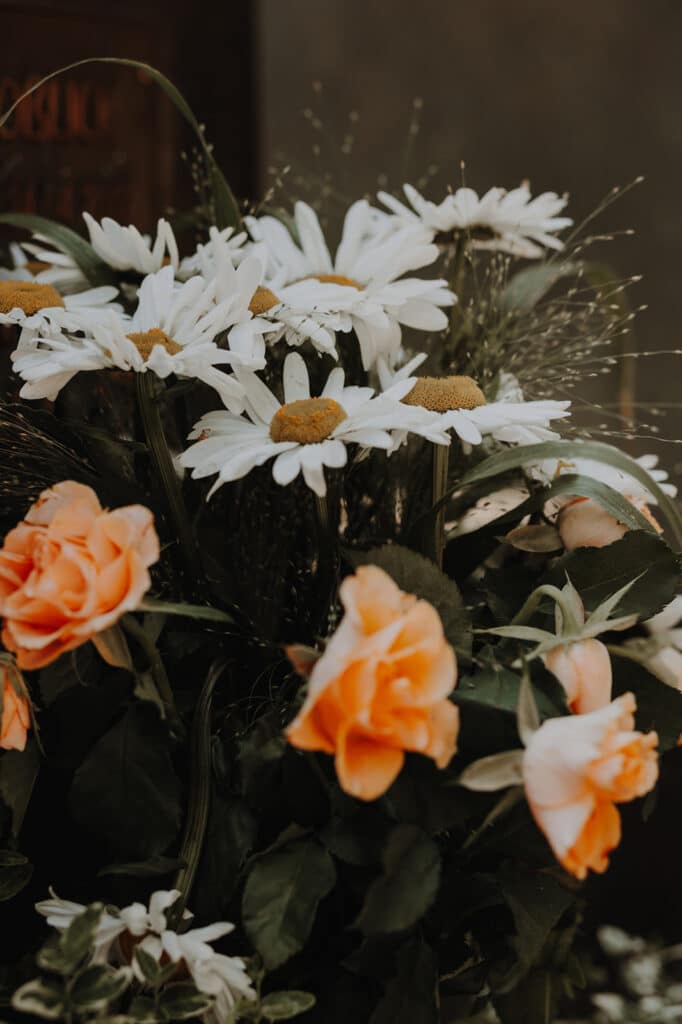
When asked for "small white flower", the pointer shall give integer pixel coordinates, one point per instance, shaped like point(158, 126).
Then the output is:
point(203, 259)
point(225, 978)
point(516, 222)
point(126, 249)
point(61, 913)
point(304, 435)
point(368, 270)
point(172, 331)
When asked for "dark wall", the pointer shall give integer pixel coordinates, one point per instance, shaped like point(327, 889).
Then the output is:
point(106, 139)
point(576, 96)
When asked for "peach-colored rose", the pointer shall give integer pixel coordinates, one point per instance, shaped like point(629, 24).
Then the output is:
point(584, 670)
point(381, 687)
point(576, 768)
point(584, 523)
point(70, 570)
point(15, 718)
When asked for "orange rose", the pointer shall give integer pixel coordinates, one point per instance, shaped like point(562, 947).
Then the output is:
point(584, 670)
point(381, 687)
point(15, 717)
point(584, 523)
point(575, 769)
point(70, 570)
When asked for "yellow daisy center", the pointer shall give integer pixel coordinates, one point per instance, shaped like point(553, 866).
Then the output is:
point(262, 300)
point(29, 296)
point(146, 341)
point(307, 421)
point(347, 282)
point(441, 394)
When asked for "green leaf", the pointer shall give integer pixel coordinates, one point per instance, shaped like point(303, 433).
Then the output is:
point(68, 241)
point(15, 873)
point(498, 689)
point(285, 1005)
point(189, 611)
point(597, 451)
point(533, 1000)
point(585, 487)
point(411, 994)
point(148, 965)
point(416, 574)
point(530, 285)
point(408, 887)
point(281, 897)
point(597, 573)
point(42, 997)
point(182, 1001)
point(142, 1009)
point(18, 773)
point(98, 985)
point(226, 209)
point(126, 792)
point(66, 952)
point(537, 903)
point(659, 706)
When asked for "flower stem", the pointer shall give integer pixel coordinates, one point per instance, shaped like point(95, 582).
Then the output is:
point(149, 405)
point(327, 560)
point(440, 455)
point(199, 798)
point(571, 625)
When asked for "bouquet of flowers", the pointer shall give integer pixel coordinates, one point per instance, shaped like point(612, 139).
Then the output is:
point(330, 647)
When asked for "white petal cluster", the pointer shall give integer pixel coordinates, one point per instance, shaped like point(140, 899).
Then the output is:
point(225, 978)
point(365, 287)
point(513, 222)
point(124, 248)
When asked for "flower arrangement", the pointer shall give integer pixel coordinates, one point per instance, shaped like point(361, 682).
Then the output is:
point(356, 662)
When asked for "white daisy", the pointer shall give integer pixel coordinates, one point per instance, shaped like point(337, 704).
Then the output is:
point(512, 222)
point(368, 267)
point(33, 262)
point(36, 306)
point(302, 435)
point(457, 404)
point(126, 249)
point(172, 331)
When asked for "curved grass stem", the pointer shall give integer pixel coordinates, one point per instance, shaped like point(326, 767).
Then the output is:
point(199, 797)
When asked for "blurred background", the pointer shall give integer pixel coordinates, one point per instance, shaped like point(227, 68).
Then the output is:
point(352, 94)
